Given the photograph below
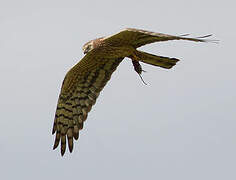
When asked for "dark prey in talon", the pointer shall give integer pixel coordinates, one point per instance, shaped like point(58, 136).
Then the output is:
point(138, 69)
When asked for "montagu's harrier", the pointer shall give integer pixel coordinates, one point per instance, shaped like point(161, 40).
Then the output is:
point(84, 82)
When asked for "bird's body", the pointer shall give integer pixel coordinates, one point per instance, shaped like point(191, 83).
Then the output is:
point(84, 82)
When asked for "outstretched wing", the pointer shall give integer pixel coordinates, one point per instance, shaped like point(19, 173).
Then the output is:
point(80, 89)
point(138, 37)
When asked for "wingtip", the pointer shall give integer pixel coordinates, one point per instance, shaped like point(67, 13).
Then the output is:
point(54, 147)
point(184, 35)
point(62, 152)
point(205, 36)
point(208, 40)
point(213, 41)
point(55, 144)
point(71, 149)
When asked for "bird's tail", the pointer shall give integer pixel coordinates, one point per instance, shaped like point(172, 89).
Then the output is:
point(164, 62)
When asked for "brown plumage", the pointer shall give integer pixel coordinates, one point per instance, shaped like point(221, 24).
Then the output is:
point(84, 82)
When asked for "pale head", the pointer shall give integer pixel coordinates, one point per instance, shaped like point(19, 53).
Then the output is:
point(92, 44)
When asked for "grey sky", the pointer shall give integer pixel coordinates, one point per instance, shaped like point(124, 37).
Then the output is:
point(180, 126)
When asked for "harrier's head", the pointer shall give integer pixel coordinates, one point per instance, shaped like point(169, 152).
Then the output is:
point(92, 44)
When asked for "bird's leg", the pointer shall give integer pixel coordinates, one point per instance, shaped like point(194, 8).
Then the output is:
point(135, 60)
point(137, 66)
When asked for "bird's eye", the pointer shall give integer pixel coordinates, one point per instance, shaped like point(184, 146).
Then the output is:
point(87, 49)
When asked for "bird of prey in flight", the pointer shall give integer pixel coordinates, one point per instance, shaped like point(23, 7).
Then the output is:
point(83, 82)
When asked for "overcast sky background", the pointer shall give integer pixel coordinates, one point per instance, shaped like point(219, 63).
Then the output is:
point(181, 126)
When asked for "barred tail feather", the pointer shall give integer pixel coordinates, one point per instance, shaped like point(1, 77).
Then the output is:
point(164, 62)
